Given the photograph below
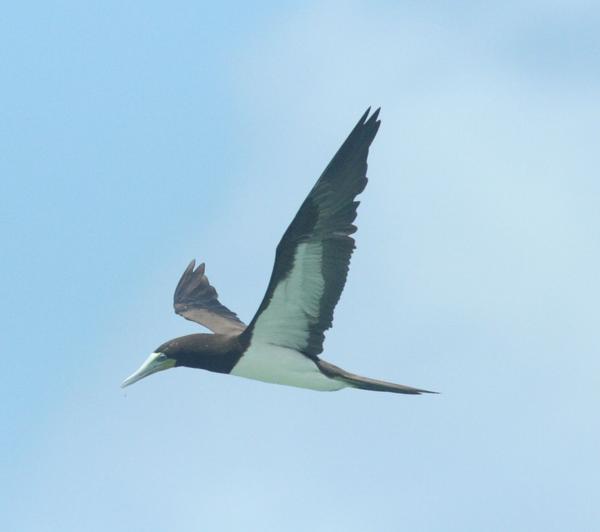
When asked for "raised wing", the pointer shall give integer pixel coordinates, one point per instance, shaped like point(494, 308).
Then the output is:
point(312, 258)
point(196, 300)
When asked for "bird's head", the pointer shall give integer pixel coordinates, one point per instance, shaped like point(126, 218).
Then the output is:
point(162, 358)
point(212, 352)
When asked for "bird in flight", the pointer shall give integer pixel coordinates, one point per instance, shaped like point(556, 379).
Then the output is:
point(283, 341)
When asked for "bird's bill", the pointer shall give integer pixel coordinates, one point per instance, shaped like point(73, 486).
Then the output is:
point(155, 362)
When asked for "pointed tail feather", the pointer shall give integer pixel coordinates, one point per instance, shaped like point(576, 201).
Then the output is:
point(365, 383)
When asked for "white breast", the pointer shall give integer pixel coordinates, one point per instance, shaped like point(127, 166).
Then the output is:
point(281, 365)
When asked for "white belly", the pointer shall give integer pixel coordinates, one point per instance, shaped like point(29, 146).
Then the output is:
point(281, 365)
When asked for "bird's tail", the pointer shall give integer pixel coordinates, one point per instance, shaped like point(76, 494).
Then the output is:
point(364, 383)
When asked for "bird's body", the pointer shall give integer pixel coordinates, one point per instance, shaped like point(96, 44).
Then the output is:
point(282, 365)
point(283, 341)
point(222, 353)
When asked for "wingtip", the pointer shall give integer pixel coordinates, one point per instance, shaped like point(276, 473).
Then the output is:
point(364, 116)
point(373, 119)
point(190, 267)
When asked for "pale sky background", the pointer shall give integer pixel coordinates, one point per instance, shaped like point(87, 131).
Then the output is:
point(136, 136)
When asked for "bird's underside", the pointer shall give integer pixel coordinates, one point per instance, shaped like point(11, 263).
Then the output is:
point(282, 342)
point(281, 365)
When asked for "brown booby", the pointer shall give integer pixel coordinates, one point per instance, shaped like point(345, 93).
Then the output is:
point(283, 341)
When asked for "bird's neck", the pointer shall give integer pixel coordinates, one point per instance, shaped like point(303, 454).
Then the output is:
point(216, 353)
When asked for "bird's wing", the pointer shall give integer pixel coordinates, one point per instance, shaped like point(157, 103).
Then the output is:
point(312, 258)
point(196, 300)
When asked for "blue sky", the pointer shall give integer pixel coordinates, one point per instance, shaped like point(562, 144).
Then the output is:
point(137, 136)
